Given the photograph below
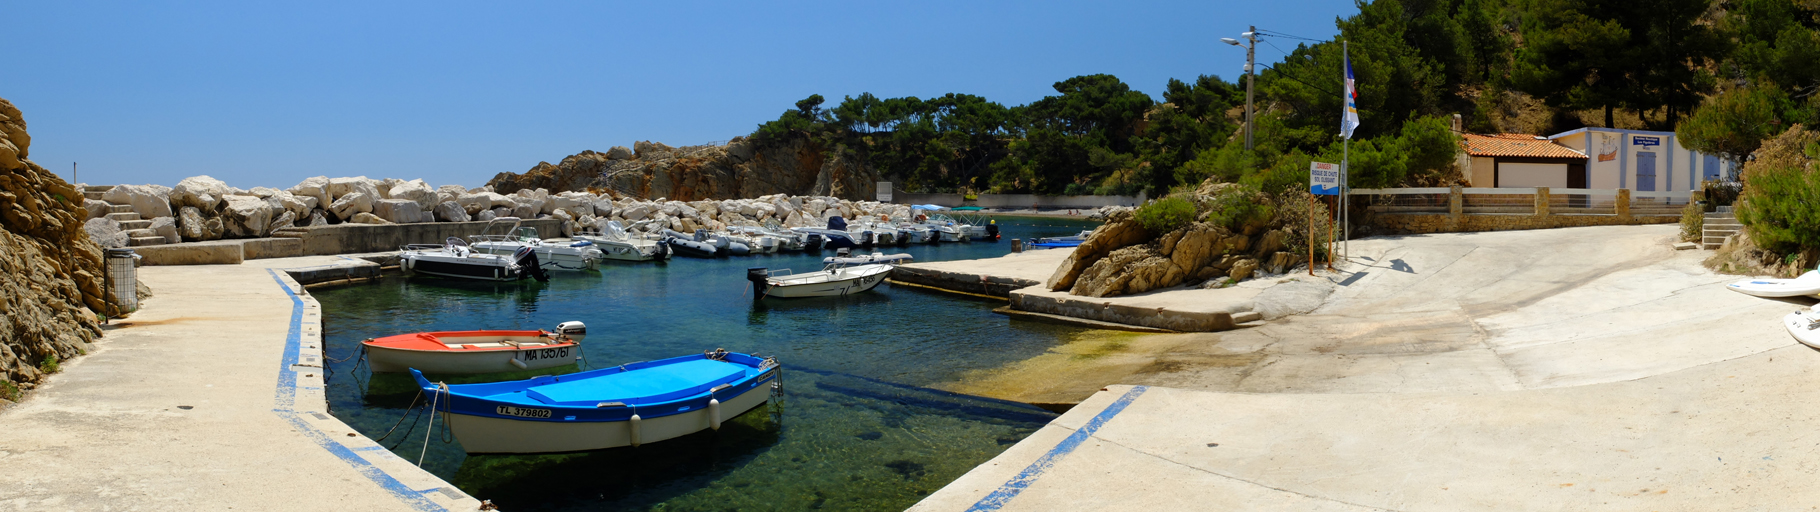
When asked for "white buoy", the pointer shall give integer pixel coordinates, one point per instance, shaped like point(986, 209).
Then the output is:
point(714, 413)
point(519, 364)
point(635, 420)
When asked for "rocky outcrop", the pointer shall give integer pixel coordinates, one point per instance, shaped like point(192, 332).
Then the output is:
point(743, 168)
point(1123, 258)
point(52, 282)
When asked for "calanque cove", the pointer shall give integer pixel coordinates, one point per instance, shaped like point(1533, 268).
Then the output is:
point(1422, 256)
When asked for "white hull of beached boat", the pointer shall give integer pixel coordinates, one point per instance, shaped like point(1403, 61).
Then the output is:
point(550, 256)
point(499, 435)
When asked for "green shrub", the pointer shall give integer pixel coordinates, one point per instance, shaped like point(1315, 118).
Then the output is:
point(1165, 215)
point(1693, 223)
point(49, 364)
point(1777, 209)
point(1239, 206)
point(9, 391)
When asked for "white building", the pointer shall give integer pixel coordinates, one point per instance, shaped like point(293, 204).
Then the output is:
point(1591, 158)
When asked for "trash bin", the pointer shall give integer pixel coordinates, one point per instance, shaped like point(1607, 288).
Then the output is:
point(124, 278)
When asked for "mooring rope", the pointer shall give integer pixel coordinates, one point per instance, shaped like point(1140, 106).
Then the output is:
point(407, 413)
point(441, 388)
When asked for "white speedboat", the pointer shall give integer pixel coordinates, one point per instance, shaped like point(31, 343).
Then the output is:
point(836, 279)
point(576, 255)
point(1807, 284)
point(456, 260)
point(946, 229)
point(917, 233)
point(618, 243)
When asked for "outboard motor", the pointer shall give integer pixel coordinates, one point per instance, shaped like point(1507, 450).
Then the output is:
point(836, 223)
point(526, 258)
point(867, 238)
point(757, 276)
point(663, 250)
point(992, 231)
point(701, 235)
point(573, 330)
point(813, 242)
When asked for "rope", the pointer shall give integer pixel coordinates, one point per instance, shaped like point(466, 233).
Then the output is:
point(440, 390)
point(407, 412)
point(357, 351)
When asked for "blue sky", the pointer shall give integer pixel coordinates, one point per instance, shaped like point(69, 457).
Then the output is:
point(265, 94)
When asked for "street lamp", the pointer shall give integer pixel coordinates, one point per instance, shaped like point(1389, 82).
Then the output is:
point(1251, 52)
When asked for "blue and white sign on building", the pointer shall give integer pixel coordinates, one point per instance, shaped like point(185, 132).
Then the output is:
point(1646, 141)
point(1324, 179)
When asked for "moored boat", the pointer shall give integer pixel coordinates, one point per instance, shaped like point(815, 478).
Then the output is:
point(841, 276)
point(625, 405)
point(454, 259)
point(468, 352)
point(619, 243)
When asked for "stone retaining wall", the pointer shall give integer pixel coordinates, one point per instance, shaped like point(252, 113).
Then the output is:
point(323, 240)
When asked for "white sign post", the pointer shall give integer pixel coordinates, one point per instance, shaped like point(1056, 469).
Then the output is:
point(884, 191)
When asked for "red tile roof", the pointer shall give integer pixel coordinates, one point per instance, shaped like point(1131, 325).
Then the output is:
point(1515, 145)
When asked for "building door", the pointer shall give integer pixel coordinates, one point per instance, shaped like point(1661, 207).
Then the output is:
point(1646, 172)
point(1576, 178)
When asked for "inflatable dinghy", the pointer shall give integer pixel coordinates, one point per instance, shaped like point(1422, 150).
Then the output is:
point(1807, 284)
point(687, 247)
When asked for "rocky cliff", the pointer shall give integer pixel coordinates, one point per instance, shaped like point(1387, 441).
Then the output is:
point(52, 281)
point(741, 169)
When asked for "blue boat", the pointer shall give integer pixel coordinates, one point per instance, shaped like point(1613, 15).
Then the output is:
point(1060, 241)
point(627, 405)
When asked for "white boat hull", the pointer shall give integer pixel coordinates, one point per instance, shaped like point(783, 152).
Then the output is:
point(550, 257)
point(828, 283)
point(1801, 324)
point(498, 435)
point(1807, 284)
point(388, 360)
point(483, 268)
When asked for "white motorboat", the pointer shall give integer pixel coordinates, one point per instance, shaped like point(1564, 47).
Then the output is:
point(1804, 325)
point(619, 243)
point(878, 257)
point(455, 259)
point(836, 279)
point(917, 233)
point(947, 229)
point(1807, 284)
point(576, 255)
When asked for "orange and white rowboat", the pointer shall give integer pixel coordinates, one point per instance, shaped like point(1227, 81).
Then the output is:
point(464, 352)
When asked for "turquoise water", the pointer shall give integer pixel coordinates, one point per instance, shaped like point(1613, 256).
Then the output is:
point(855, 429)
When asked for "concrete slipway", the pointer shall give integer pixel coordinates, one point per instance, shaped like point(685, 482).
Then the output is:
point(1568, 369)
point(208, 398)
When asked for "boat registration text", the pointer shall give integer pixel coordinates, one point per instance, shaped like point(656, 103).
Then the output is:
point(548, 353)
point(507, 410)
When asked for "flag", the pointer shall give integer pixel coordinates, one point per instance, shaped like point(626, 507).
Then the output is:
point(1349, 119)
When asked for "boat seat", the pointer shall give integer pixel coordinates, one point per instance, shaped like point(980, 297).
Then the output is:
point(469, 347)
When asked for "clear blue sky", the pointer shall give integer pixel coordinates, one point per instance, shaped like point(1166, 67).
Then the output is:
point(265, 94)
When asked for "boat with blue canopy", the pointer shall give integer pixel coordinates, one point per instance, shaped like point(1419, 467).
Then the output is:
point(626, 405)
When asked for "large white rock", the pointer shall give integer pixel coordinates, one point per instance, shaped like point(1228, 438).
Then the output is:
point(416, 191)
point(456, 190)
point(346, 206)
point(263, 192)
point(368, 218)
point(343, 186)
point(167, 228)
point(105, 232)
point(201, 192)
point(637, 212)
point(486, 215)
point(97, 209)
point(149, 201)
point(317, 187)
point(247, 216)
point(385, 187)
point(398, 211)
point(531, 204)
point(603, 209)
point(450, 211)
point(285, 219)
point(298, 206)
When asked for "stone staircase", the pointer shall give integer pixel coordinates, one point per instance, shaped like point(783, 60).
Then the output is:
point(137, 229)
point(1718, 225)
point(291, 232)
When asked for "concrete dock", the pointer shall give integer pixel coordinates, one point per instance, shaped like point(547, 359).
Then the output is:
point(210, 397)
point(1570, 369)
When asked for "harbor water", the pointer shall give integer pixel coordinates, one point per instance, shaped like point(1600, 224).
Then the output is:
point(856, 426)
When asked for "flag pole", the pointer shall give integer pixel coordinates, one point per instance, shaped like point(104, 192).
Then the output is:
point(1346, 171)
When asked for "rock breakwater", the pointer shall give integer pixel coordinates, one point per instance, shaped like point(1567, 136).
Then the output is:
point(52, 283)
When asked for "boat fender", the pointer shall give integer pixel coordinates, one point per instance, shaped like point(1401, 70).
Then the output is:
point(519, 364)
point(757, 276)
point(634, 428)
point(573, 330)
point(714, 413)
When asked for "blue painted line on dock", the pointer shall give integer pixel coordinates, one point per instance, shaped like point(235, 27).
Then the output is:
point(1022, 481)
point(285, 400)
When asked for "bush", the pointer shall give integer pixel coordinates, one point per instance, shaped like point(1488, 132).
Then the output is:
point(1777, 209)
point(8, 391)
point(49, 364)
point(1693, 223)
point(1293, 213)
point(1239, 206)
point(1165, 215)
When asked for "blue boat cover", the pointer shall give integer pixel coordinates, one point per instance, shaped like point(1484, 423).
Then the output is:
point(654, 384)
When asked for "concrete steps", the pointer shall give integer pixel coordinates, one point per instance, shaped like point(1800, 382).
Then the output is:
point(119, 208)
point(1718, 225)
point(135, 224)
point(95, 191)
point(291, 232)
point(143, 241)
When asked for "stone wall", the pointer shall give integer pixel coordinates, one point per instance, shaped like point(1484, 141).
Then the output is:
point(52, 279)
point(741, 169)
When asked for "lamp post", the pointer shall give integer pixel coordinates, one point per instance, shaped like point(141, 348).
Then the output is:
point(1251, 53)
